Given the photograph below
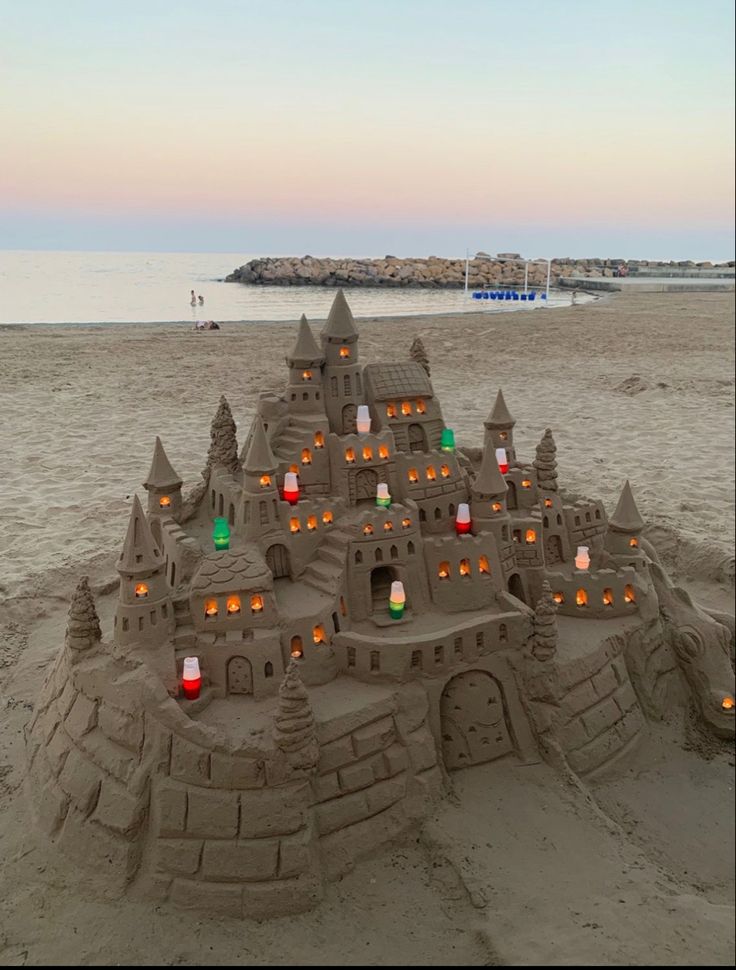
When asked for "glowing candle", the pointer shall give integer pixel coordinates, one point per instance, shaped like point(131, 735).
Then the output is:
point(382, 497)
point(502, 459)
point(191, 680)
point(291, 488)
point(397, 600)
point(727, 704)
point(582, 560)
point(363, 420)
point(221, 534)
point(462, 519)
point(447, 440)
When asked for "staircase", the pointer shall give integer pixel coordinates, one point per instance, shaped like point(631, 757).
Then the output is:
point(325, 572)
point(289, 445)
point(185, 635)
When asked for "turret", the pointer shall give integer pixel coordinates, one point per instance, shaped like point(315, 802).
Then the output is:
point(488, 509)
point(163, 485)
point(624, 526)
point(499, 427)
point(305, 393)
point(223, 451)
point(342, 378)
point(145, 612)
point(83, 632)
point(259, 514)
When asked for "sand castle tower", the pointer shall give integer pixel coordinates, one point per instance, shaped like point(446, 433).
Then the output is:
point(259, 513)
point(544, 624)
point(305, 393)
point(342, 373)
point(163, 485)
point(223, 450)
point(545, 463)
point(83, 626)
point(499, 427)
point(624, 528)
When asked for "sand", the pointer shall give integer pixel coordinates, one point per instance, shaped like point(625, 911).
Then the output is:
point(516, 867)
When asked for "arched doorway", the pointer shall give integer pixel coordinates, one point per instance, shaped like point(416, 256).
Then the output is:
point(239, 676)
point(277, 560)
point(366, 481)
point(473, 720)
point(349, 419)
point(381, 579)
point(516, 587)
point(417, 438)
point(552, 550)
point(510, 495)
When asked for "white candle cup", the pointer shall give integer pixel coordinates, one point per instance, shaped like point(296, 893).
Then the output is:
point(463, 513)
point(398, 596)
point(502, 459)
point(363, 420)
point(582, 559)
point(191, 669)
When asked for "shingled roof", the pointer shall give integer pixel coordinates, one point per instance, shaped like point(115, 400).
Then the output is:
point(405, 378)
point(231, 570)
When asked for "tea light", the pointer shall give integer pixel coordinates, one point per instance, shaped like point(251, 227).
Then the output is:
point(447, 440)
point(397, 600)
point(382, 496)
point(221, 534)
point(582, 559)
point(191, 680)
point(363, 420)
point(291, 488)
point(502, 459)
point(462, 519)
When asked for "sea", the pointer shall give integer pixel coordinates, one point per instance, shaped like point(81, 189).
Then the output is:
point(107, 287)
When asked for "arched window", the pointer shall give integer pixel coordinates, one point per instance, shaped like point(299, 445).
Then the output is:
point(526, 483)
point(378, 556)
point(634, 542)
point(431, 473)
point(410, 548)
point(559, 598)
point(368, 529)
point(388, 526)
point(306, 456)
point(164, 502)
point(559, 520)
point(367, 453)
point(351, 656)
point(464, 567)
point(311, 523)
point(545, 522)
point(581, 597)
point(358, 556)
point(297, 649)
point(438, 513)
point(422, 515)
point(406, 407)
point(294, 524)
point(233, 606)
point(256, 604)
point(451, 509)
point(629, 594)
point(484, 566)
point(394, 552)
point(496, 507)
point(141, 591)
point(231, 514)
point(406, 523)
point(390, 410)
point(306, 375)
point(531, 537)
point(445, 471)
point(443, 570)
point(597, 513)
point(210, 609)
point(319, 439)
point(439, 654)
point(221, 505)
point(421, 407)
point(548, 503)
point(383, 451)
point(212, 496)
point(265, 481)
point(375, 660)
point(607, 597)
point(349, 456)
point(479, 640)
point(318, 634)
point(268, 669)
point(413, 475)
point(344, 353)
point(327, 517)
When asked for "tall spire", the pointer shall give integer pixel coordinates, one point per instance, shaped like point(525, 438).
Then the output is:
point(544, 625)
point(161, 475)
point(83, 626)
point(500, 416)
point(223, 441)
point(294, 729)
point(140, 553)
point(546, 462)
point(305, 349)
point(259, 459)
point(340, 323)
point(489, 480)
point(626, 518)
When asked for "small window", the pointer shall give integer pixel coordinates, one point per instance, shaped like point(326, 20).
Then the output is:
point(431, 473)
point(421, 407)
point(367, 453)
point(634, 542)
point(350, 456)
point(597, 513)
point(311, 523)
point(484, 567)
point(496, 507)
point(531, 537)
point(344, 353)
point(233, 606)
point(517, 535)
point(406, 408)
point(607, 597)
point(327, 518)
point(526, 483)
point(359, 556)
point(368, 529)
point(383, 451)
point(319, 439)
point(416, 659)
point(268, 669)
point(351, 656)
point(438, 514)
point(422, 515)
point(153, 617)
point(503, 435)
point(390, 410)
point(559, 598)
point(439, 655)
point(346, 385)
point(256, 604)
point(297, 649)
point(480, 640)
point(378, 556)
point(306, 375)
point(210, 609)
point(306, 456)
point(164, 611)
point(445, 471)
point(263, 511)
point(375, 660)
point(587, 517)
point(318, 634)
point(141, 591)
point(410, 548)
point(394, 552)
point(333, 386)
point(125, 624)
point(629, 594)
point(503, 633)
point(388, 526)
point(406, 523)
point(548, 503)
point(413, 475)
point(581, 597)
point(294, 525)
point(443, 570)
point(164, 502)
point(464, 567)
point(265, 481)
point(458, 646)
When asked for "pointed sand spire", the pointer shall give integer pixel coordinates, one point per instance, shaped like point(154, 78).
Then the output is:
point(626, 518)
point(294, 729)
point(418, 352)
point(259, 459)
point(544, 624)
point(500, 416)
point(546, 462)
point(83, 626)
point(340, 323)
point(305, 348)
point(223, 440)
point(161, 475)
point(140, 553)
point(489, 480)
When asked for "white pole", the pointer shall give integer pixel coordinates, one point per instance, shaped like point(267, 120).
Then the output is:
point(467, 262)
point(526, 277)
point(549, 271)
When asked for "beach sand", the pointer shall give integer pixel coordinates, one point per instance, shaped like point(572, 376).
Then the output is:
point(515, 868)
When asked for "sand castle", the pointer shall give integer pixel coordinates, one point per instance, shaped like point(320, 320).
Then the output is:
point(370, 608)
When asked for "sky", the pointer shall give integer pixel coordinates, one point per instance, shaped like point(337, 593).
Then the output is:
point(412, 127)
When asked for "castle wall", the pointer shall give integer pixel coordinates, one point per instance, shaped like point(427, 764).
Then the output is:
point(586, 521)
point(607, 592)
point(464, 572)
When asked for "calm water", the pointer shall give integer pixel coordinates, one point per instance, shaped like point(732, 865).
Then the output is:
point(80, 287)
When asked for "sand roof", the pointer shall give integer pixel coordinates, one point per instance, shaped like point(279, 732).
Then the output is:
point(626, 518)
point(340, 323)
point(232, 570)
point(489, 480)
point(500, 417)
point(305, 349)
point(259, 457)
point(405, 378)
point(140, 553)
point(161, 475)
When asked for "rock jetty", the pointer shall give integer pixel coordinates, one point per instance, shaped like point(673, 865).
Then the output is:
point(431, 273)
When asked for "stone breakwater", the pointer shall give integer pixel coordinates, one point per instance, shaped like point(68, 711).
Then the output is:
point(431, 273)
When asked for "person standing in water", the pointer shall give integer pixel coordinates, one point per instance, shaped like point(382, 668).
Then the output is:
point(193, 299)
point(201, 300)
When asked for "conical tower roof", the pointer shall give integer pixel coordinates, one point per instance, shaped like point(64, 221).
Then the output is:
point(340, 323)
point(489, 480)
point(500, 416)
point(626, 518)
point(259, 458)
point(161, 475)
point(305, 349)
point(140, 553)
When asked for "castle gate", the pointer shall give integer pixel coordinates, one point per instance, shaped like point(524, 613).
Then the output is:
point(365, 483)
point(277, 560)
point(239, 676)
point(349, 419)
point(473, 720)
point(552, 550)
point(417, 438)
point(381, 579)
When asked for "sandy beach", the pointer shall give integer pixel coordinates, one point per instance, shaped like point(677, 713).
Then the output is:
point(516, 867)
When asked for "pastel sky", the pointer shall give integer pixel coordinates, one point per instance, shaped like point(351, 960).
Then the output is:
point(346, 126)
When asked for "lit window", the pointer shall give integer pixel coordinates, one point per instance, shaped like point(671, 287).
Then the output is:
point(344, 352)
point(503, 435)
point(297, 650)
point(306, 456)
point(210, 609)
point(256, 603)
point(531, 537)
point(350, 456)
point(634, 542)
point(141, 591)
point(548, 503)
point(233, 605)
point(368, 530)
point(383, 451)
point(319, 439)
point(608, 597)
point(388, 527)
point(327, 518)
point(311, 523)
point(367, 453)
point(390, 410)
point(265, 481)
point(421, 407)
point(164, 502)
point(496, 506)
point(526, 483)
point(318, 634)
point(559, 598)
point(431, 473)
point(413, 475)
point(484, 566)
point(406, 523)
point(294, 524)
point(464, 567)
point(306, 375)
point(443, 570)
point(444, 471)
point(581, 598)
point(629, 595)
point(406, 407)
